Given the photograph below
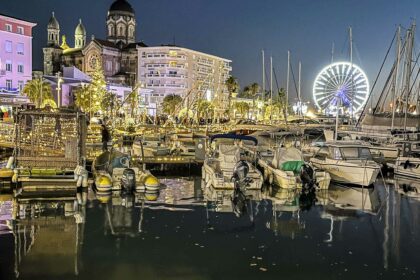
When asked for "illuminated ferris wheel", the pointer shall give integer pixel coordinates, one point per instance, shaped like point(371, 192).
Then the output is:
point(341, 84)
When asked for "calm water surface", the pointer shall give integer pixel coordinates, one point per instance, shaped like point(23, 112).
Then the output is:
point(344, 233)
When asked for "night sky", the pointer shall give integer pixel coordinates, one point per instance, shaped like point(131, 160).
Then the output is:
point(239, 29)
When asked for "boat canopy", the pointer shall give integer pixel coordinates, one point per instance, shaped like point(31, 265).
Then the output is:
point(234, 136)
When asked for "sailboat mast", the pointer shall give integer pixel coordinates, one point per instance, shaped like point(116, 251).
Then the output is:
point(409, 57)
point(299, 86)
point(287, 81)
point(351, 63)
point(397, 66)
point(332, 53)
point(263, 73)
point(271, 88)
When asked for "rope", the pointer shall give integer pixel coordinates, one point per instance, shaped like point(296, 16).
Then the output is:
point(377, 77)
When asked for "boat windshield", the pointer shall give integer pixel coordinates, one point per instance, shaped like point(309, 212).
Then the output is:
point(356, 153)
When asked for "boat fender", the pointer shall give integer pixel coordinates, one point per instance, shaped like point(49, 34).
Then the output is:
point(9, 164)
point(151, 182)
point(15, 176)
point(6, 173)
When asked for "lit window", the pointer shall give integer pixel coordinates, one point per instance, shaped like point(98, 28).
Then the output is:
point(20, 30)
point(8, 46)
point(20, 48)
point(8, 66)
point(172, 63)
point(8, 28)
point(20, 68)
point(8, 84)
point(173, 53)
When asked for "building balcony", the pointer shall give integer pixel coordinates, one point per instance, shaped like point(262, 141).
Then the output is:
point(165, 86)
point(166, 76)
point(163, 65)
point(163, 55)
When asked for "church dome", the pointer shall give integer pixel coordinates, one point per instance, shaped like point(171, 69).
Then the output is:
point(121, 6)
point(53, 23)
point(80, 29)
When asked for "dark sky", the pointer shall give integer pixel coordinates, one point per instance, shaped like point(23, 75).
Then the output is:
point(239, 29)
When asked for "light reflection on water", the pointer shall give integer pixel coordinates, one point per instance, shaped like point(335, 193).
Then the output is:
point(188, 233)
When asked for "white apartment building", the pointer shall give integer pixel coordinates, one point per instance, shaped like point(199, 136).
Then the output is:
point(190, 74)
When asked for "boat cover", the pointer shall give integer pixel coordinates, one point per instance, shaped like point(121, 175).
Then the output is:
point(288, 159)
point(110, 160)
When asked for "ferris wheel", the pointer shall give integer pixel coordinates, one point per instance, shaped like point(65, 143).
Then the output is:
point(341, 84)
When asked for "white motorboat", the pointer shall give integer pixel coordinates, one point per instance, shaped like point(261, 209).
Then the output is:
point(288, 170)
point(225, 159)
point(152, 146)
point(407, 166)
point(348, 162)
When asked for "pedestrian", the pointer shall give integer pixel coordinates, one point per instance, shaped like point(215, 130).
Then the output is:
point(106, 136)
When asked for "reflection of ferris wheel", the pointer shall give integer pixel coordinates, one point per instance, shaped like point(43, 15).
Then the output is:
point(341, 84)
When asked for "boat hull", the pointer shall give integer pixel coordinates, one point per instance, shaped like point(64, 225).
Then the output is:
point(348, 173)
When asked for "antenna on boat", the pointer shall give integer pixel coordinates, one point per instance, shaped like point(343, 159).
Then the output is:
point(332, 53)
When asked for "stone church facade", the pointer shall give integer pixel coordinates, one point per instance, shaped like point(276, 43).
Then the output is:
point(118, 53)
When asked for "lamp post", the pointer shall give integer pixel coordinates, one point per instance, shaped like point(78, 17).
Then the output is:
point(59, 81)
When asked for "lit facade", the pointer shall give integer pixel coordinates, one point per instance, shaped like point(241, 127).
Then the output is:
point(15, 59)
point(190, 74)
point(117, 54)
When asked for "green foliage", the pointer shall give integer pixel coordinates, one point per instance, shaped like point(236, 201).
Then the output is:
point(170, 104)
point(251, 91)
point(232, 85)
point(205, 109)
point(242, 108)
point(38, 92)
point(89, 98)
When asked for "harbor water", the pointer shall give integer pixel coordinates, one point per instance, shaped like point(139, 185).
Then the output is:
point(342, 233)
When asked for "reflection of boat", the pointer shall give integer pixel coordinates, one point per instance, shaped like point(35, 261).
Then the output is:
point(288, 170)
point(407, 186)
point(218, 168)
point(48, 231)
point(347, 201)
point(286, 219)
point(220, 200)
point(349, 163)
point(121, 215)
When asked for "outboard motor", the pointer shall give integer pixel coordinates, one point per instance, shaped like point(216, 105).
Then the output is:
point(240, 173)
point(240, 181)
point(128, 180)
point(307, 177)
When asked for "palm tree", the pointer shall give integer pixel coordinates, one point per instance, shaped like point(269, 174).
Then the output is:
point(170, 103)
point(242, 108)
point(232, 86)
point(37, 91)
point(205, 109)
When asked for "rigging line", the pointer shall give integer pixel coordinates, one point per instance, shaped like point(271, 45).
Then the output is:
point(277, 84)
point(377, 77)
point(294, 80)
point(387, 85)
